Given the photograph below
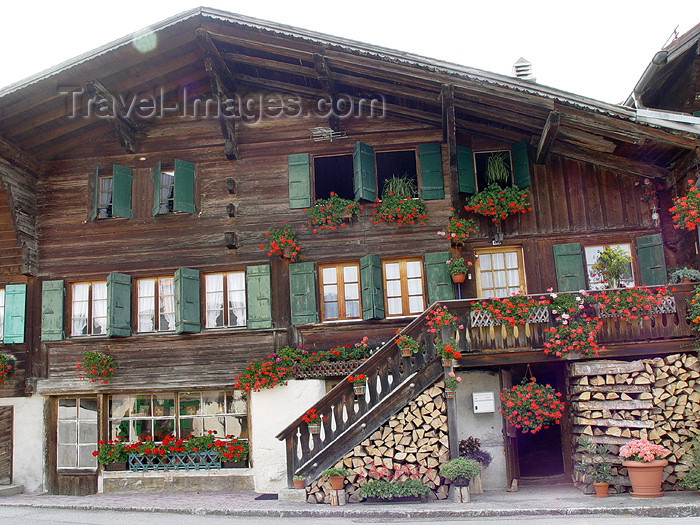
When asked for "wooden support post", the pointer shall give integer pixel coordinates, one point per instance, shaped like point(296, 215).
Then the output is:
point(549, 133)
point(449, 136)
point(323, 73)
point(123, 126)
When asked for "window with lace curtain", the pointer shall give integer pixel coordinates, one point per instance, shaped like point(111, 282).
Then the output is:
point(2, 312)
point(225, 298)
point(89, 308)
point(156, 305)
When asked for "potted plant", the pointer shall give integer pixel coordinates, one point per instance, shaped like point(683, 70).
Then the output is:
point(283, 242)
point(612, 264)
point(384, 490)
point(683, 274)
point(470, 448)
point(458, 230)
point(400, 203)
point(686, 209)
point(359, 383)
point(452, 381)
point(595, 465)
point(7, 365)
point(96, 366)
point(331, 213)
point(692, 477)
point(299, 482)
point(460, 470)
point(645, 466)
point(407, 345)
point(313, 420)
point(336, 475)
point(458, 269)
point(448, 351)
point(112, 455)
point(531, 406)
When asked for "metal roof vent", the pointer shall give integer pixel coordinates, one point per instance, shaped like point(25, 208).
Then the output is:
point(522, 69)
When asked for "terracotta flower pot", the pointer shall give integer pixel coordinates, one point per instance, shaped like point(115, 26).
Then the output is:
point(406, 352)
point(646, 477)
point(601, 489)
point(359, 389)
point(314, 428)
point(447, 362)
point(459, 277)
point(449, 392)
point(337, 482)
point(298, 483)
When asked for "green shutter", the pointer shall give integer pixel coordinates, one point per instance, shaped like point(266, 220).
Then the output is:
point(15, 301)
point(521, 164)
point(187, 311)
point(465, 170)
point(259, 292)
point(302, 292)
point(568, 263)
point(299, 166)
point(437, 275)
point(156, 189)
point(430, 158)
point(652, 263)
point(121, 191)
point(372, 287)
point(183, 193)
point(365, 173)
point(118, 305)
point(95, 193)
point(52, 311)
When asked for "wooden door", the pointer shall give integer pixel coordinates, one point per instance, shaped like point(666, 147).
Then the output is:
point(510, 436)
point(6, 423)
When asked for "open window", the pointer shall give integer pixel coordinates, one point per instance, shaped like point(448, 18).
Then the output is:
point(333, 174)
point(596, 279)
point(472, 167)
point(173, 188)
point(111, 193)
point(493, 166)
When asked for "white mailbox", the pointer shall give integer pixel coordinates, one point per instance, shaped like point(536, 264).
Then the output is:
point(484, 402)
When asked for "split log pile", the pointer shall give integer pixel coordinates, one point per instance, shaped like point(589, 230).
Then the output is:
point(416, 437)
point(613, 402)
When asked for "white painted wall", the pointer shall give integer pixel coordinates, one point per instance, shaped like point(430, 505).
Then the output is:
point(270, 413)
point(28, 442)
point(487, 427)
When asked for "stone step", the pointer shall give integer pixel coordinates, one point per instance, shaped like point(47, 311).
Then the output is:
point(11, 490)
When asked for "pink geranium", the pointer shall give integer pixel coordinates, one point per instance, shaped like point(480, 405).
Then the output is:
point(643, 450)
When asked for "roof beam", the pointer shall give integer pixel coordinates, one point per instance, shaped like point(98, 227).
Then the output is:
point(221, 78)
point(610, 161)
point(11, 155)
point(123, 126)
point(549, 133)
point(449, 134)
point(323, 73)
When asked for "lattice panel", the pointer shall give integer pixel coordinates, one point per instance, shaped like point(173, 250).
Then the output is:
point(481, 318)
point(194, 461)
point(668, 306)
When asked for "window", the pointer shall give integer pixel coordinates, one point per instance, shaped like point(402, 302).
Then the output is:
point(104, 198)
point(225, 289)
point(77, 433)
point(499, 272)
point(167, 192)
point(132, 417)
point(89, 308)
point(403, 281)
point(501, 158)
point(340, 285)
point(395, 163)
point(595, 279)
point(156, 295)
point(2, 313)
point(333, 174)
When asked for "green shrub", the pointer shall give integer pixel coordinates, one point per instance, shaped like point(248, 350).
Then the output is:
point(384, 489)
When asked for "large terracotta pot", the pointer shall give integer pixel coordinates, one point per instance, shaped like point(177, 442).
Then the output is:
point(646, 477)
point(601, 489)
point(458, 277)
point(337, 482)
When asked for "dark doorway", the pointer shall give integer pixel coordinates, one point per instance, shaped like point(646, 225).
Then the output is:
point(540, 455)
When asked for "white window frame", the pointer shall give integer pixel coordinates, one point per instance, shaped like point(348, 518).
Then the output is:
point(488, 289)
point(105, 196)
point(96, 296)
point(2, 313)
point(233, 301)
point(409, 286)
point(80, 442)
point(154, 306)
point(347, 292)
point(591, 253)
point(166, 192)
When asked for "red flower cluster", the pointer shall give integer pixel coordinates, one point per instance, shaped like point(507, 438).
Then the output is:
point(531, 406)
point(448, 349)
point(512, 310)
point(5, 367)
point(686, 209)
point(359, 379)
point(632, 304)
point(498, 203)
point(282, 242)
point(96, 366)
point(399, 211)
point(439, 317)
point(311, 417)
point(328, 214)
point(458, 230)
point(577, 336)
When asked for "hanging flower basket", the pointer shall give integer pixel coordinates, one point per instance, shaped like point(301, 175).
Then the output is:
point(314, 429)
point(359, 383)
point(498, 203)
point(283, 242)
point(407, 345)
point(531, 406)
point(96, 366)
point(458, 230)
point(7, 365)
point(313, 420)
point(331, 213)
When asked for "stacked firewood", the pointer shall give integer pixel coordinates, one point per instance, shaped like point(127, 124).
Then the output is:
point(412, 443)
point(613, 402)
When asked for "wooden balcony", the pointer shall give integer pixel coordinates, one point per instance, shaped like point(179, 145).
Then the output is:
point(392, 380)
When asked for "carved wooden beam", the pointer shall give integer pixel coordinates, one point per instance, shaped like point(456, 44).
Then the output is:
point(223, 83)
point(449, 130)
point(123, 126)
point(549, 133)
point(323, 74)
point(11, 155)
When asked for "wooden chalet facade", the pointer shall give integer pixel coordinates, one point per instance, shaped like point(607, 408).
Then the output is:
point(132, 204)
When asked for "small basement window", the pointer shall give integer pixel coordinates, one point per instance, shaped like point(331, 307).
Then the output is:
point(333, 174)
point(395, 163)
point(481, 163)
